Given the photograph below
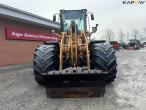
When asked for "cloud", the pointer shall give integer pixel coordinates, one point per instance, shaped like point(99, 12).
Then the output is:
point(108, 14)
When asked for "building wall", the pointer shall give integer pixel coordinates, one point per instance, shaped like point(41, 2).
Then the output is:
point(13, 52)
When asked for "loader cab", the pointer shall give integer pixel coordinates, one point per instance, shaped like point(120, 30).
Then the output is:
point(67, 16)
point(80, 17)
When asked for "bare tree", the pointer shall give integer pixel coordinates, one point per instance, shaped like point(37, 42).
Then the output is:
point(121, 35)
point(141, 37)
point(144, 35)
point(135, 33)
point(145, 29)
point(127, 35)
point(109, 34)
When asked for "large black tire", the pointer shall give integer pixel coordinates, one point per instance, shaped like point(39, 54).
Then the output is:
point(44, 61)
point(103, 58)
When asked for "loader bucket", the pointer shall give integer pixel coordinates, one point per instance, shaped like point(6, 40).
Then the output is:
point(82, 83)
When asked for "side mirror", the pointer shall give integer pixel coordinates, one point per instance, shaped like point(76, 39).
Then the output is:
point(54, 18)
point(94, 29)
point(92, 16)
point(96, 25)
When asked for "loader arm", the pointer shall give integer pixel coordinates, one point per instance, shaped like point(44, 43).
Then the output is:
point(75, 45)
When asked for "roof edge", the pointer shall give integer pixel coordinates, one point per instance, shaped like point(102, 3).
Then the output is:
point(26, 13)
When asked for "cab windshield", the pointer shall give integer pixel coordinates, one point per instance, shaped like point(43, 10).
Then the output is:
point(76, 16)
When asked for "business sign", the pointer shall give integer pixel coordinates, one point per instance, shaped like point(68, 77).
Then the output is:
point(14, 33)
point(136, 2)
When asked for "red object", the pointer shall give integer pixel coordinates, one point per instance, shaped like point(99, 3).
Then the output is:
point(115, 45)
point(14, 33)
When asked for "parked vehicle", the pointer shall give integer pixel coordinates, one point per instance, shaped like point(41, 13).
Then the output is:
point(115, 45)
point(141, 45)
point(144, 44)
point(134, 44)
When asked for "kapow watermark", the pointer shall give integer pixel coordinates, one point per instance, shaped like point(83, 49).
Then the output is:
point(136, 2)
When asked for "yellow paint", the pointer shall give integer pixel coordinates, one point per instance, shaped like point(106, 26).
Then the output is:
point(136, 1)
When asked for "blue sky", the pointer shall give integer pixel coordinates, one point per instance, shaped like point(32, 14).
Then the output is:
point(108, 13)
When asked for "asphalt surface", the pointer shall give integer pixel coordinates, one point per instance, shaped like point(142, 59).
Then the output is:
point(18, 90)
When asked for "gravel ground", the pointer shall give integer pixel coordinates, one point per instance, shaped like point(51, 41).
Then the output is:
point(18, 90)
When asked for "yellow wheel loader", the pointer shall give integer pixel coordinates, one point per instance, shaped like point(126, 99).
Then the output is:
point(75, 61)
